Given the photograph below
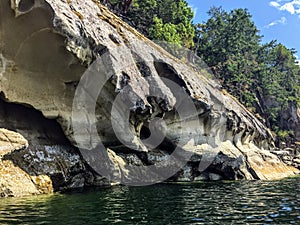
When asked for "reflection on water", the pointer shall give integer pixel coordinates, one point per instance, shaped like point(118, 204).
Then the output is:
point(246, 202)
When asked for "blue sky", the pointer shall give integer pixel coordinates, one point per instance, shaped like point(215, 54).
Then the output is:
point(277, 20)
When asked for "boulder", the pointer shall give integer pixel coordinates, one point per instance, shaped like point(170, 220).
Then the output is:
point(13, 180)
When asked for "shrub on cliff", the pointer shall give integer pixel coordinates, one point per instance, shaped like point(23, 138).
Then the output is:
point(164, 20)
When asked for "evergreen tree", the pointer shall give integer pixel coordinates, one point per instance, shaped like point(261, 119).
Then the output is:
point(164, 20)
point(264, 77)
point(280, 83)
point(228, 43)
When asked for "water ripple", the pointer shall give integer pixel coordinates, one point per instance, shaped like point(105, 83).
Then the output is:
point(243, 202)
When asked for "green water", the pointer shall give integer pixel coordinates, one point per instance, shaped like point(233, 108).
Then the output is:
point(244, 202)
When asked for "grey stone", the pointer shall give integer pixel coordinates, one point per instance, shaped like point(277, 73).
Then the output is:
point(48, 46)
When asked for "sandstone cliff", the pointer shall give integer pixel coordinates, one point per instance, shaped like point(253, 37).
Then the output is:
point(15, 181)
point(75, 80)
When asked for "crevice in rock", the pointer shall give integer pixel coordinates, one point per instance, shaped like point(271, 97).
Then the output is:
point(251, 170)
point(167, 71)
point(125, 79)
point(25, 5)
point(141, 65)
point(71, 84)
point(145, 132)
point(114, 39)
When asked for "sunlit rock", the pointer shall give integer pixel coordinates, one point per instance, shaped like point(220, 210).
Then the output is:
point(13, 180)
point(58, 56)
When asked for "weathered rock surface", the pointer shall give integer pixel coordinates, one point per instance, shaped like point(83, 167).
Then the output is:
point(47, 46)
point(290, 117)
point(290, 156)
point(293, 120)
point(10, 141)
point(13, 180)
point(48, 152)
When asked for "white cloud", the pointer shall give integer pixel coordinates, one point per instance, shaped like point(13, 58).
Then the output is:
point(274, 4)
point(293, 7)
point(282, 20)
point(288, 7)
point(195, 9)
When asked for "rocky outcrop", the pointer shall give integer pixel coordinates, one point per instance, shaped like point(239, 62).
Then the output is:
point(291, 118)
point(290, 156)
point(13, 180)
point(76, 80)
point(48, 153)
point(10, 141)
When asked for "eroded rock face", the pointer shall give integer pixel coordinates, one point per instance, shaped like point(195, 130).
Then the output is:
point(292, 120)
point(13, 180)
point(10, 141)
point(47, 46)
point(46, 153)
point(290, 117)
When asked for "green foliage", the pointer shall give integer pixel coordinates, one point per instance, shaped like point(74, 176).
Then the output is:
point(166, 32)
point(280, 81)
point(164, 20)
point(229, 42)
point(263, 76)
point(285, 133)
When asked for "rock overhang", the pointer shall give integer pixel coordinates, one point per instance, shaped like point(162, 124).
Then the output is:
point(53, 45)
